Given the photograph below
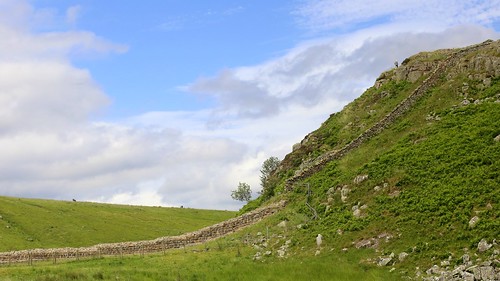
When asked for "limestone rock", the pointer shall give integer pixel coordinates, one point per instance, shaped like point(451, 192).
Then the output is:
point(497, 138)
point(483, 246)
point(384, 261)
point(344, 192)
point(360, 178)
point(473, 221)
point(282, 224)
point(402, 256)
point(356, 213)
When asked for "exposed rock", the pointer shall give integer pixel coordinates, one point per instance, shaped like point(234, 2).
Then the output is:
point(483, 246)
point(402, 256)
point(268, 253)
point(331, 191)
point(473, 221)
point(365, 243)
point(497, 138)
point(356, 213)
point(360, 178)
point(484, 273)
point(319, 240)
point(377, 188)
point(465, 259)
point(445, 263)
point(435, 269)
point(467, 276)
point(282, 224)
point(384, 261)
point(395, 193)
point(344, 192)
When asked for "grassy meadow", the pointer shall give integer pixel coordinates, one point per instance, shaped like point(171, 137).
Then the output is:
point(35, 223)
point(228, 258)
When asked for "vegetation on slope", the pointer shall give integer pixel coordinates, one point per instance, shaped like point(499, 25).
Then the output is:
point(34, 223)
point(424, 177)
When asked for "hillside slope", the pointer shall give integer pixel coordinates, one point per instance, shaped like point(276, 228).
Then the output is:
point(411, 167)
point(34, 223)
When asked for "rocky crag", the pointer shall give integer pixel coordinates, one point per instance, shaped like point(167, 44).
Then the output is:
point(484, 67)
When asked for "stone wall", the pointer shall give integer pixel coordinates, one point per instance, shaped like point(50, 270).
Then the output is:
point(387, 120)
point(142, 247)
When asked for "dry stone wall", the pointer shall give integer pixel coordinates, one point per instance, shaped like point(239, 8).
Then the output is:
point(142, 247)
point(387, 120)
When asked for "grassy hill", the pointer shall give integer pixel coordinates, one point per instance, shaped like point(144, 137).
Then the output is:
point(34, 223)
point(421, 191)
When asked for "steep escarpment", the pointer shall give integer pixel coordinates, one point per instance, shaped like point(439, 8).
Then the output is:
point(410, 169)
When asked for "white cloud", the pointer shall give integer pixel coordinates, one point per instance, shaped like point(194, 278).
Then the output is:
point(332, 70)
point(319, 15)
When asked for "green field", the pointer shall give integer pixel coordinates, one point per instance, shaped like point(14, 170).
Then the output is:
point(228, 258)
point(34, 223)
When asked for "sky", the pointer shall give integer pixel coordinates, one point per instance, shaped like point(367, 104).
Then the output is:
point(173, 103)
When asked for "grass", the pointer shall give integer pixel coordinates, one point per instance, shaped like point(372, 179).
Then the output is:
point(34, 223)
point(439, 174)
point(229, 258)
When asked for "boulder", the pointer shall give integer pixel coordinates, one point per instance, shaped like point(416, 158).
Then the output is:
point(344, 192)
point(360, 178)
point(473, 221)
point(402, 256)
point(282, 224)
point(483, 246)
point(384, 261)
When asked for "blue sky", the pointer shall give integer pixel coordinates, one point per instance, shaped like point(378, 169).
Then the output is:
point(175, 102)
point(171, 43)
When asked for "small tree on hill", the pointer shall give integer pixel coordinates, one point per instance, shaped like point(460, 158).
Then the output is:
point(268, 168)
point(242, 193)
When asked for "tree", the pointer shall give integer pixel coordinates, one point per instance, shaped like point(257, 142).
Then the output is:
point(242, 193)
point(268, 168)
